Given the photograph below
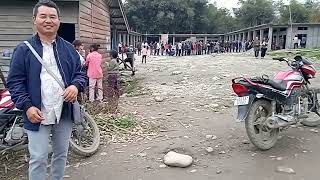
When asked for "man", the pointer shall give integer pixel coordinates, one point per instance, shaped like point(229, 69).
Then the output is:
point(256, 47)
point(158, 45)
point(130, 59)
point(120, 47)
point(78, 45)
point(303, 42)
point(295, 42)
point(47, 108)
point(179, 49)
point(139, 46)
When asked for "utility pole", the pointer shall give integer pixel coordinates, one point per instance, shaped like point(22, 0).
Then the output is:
point(291, 33)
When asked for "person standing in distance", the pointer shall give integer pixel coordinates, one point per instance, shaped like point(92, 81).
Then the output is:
point(47, 108)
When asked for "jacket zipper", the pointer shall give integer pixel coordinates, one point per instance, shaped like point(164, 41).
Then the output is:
point(60, 65)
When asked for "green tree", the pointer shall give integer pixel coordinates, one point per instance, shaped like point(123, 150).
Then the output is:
point(255, 12)
point(299, 12)
point(177, 16)
point(313, 10)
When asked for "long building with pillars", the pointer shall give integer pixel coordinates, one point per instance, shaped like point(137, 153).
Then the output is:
point(280, 36)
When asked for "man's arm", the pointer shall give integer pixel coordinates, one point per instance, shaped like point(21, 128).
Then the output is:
point(17, 79)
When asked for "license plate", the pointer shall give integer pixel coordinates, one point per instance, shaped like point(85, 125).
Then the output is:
point(241, 101)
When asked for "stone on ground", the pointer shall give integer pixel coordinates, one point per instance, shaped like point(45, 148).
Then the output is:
point(177, 160)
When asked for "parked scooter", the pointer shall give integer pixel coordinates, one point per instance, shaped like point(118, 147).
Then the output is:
point(269, 105)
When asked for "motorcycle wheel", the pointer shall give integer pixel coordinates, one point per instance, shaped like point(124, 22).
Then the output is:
point(313, 119)
point(258, 132)
point(88, 142)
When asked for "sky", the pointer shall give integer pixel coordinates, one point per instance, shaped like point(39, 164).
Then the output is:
point(232, 3)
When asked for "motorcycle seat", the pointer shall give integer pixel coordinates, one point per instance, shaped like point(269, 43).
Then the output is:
point(277, 84)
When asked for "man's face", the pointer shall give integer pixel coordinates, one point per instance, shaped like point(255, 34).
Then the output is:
point(47, 21)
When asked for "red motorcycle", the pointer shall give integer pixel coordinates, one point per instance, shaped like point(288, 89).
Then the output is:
point(269, 105)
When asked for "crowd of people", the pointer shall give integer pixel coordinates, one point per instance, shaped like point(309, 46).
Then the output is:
point(187, 48)
point(92, 65)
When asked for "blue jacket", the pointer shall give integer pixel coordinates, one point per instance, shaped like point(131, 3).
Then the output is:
point(24, 76)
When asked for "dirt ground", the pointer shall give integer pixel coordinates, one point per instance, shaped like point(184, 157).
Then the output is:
point(198, 101)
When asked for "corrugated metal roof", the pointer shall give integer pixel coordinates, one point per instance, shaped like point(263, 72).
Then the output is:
point(118, 18)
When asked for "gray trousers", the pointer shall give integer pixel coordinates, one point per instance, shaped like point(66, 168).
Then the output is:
point(38, 149)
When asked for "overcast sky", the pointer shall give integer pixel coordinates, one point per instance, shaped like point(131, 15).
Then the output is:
point(233, 3)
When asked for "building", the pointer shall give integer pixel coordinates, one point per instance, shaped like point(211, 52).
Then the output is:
point(91, 21)
point(279, 36)
point(173, 38)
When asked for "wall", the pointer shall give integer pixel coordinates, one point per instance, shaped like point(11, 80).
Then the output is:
point(94, 24)
point(16, 23)
point(313, 37)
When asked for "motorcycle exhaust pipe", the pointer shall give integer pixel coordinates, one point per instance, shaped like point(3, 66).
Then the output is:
point(274, 122)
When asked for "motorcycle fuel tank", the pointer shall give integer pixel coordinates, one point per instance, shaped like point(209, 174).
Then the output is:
point(289, 75)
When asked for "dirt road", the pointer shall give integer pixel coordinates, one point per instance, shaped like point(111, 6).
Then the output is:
point(198, 101)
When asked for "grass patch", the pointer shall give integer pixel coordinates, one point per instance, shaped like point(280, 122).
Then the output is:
point(309, 53)
point(131, 87)
point(115, 123)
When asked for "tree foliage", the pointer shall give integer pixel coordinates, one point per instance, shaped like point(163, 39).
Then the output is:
point(255, 12)
point(199, 16)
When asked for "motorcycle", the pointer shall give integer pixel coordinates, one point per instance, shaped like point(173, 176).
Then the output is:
point(85, 138)
point(270, 105)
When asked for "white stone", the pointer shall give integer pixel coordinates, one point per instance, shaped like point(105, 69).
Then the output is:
point(176, 72)
point(214, 105)
point(314, 130)
point(169, 114)
point(209, 136)
point(177, 160)
point(143, 154)
point(209, 149)
point(222, 152)
point(279, 158)
point(103, 154)
point(284, 169)
point(158, 99)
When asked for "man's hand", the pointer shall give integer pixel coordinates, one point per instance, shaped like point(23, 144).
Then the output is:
point(35, 115)
point(70, 94)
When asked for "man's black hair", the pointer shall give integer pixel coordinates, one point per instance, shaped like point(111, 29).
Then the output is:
point(47, 3)
point(114, 54)
point(76, 43)
point(95, 47)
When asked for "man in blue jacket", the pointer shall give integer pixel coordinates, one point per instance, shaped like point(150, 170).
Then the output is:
point(47, 106)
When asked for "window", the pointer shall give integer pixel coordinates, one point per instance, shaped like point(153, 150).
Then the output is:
point(302, 28)
point(283, 29)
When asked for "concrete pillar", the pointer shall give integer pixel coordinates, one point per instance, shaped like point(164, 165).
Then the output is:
point(261, 34)
point(124, 40)
point(173, 40)
point(277, 36)
point(243, 37)
point(254, 34)
point(205, 39)
point(290, 36)
point(270, 37)
point(119, 38)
